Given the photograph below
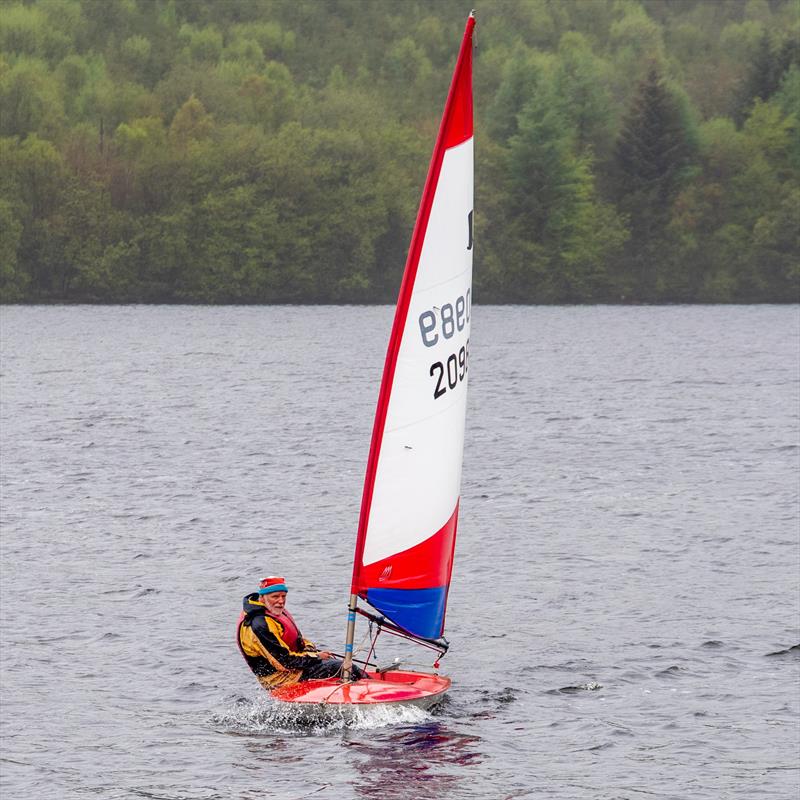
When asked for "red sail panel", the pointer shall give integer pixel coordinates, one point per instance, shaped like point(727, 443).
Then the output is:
point(423, 566)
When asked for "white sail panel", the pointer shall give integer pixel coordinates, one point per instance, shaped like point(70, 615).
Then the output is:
point(418, 477)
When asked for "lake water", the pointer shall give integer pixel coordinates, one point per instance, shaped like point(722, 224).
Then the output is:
point(625, 599)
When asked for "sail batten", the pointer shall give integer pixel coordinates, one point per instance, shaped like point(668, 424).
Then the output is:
point(409, 511)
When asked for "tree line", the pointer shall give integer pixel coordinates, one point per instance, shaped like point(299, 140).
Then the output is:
point(273, 151)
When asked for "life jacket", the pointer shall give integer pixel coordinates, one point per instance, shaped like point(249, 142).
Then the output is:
point(291, 633)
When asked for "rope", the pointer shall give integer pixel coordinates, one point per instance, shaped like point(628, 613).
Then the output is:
point(372, 652)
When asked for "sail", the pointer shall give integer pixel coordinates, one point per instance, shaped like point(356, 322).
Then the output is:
point(409, 509)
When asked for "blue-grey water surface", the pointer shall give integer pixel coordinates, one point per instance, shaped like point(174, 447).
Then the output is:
point(625, 599)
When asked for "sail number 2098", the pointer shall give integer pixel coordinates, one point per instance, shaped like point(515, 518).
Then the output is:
point(450, 373)
point(451, 318)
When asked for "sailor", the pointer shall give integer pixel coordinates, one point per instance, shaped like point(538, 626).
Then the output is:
point(272, 644)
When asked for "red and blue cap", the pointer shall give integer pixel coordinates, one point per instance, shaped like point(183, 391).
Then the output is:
point(272, 584)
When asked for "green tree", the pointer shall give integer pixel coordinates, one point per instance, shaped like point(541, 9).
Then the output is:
point(13, 281)
point(191, 123)
point(29, 99)
point(563, 233)
point(638, 47)
point(580, 87)
point(653, 154)
point(34, 183)
point(736, 223)
point(522, 77)
point(769, 66)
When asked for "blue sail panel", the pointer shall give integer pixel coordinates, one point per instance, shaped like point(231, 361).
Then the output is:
point(418, 611)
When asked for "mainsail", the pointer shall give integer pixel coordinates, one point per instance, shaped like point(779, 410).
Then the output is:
point(409, 509)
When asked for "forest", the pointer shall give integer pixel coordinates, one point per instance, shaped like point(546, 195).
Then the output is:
point(274, 151)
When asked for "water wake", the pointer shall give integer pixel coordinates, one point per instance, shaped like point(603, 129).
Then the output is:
point(262, 714)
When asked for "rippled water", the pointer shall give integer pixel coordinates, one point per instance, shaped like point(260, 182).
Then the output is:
point(625, 612)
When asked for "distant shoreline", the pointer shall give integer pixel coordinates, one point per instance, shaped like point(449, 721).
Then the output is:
point(307, 304)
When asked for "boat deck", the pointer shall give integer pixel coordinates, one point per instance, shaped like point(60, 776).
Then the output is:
point(397, 686)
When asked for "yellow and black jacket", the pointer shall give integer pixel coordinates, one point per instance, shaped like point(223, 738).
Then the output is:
point(260, 637)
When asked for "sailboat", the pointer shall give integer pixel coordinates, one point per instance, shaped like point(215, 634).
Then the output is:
point(409, 510)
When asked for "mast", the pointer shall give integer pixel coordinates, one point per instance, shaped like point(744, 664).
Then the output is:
point(453, 118)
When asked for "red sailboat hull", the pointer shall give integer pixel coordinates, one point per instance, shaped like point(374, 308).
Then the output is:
point(395, 688)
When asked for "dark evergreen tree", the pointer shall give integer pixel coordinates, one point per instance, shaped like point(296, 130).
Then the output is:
point(653, 153)
point(770, 64)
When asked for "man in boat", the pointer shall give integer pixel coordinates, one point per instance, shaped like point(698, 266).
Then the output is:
point(272, 644)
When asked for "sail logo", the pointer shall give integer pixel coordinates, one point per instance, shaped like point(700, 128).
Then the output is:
point(384, 576)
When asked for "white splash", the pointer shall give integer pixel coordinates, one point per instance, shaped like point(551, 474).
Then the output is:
point(262, 714)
